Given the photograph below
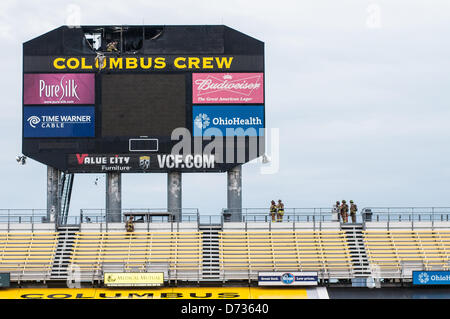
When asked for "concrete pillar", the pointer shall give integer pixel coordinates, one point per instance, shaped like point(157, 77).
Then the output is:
point(53, 198)
point(113, 197)
point(174, 188)
point(234, 193)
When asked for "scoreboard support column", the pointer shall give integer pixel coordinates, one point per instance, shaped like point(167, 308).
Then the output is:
point(174, 191)
point(113, 197)
point(234, 193)
point(53, 179)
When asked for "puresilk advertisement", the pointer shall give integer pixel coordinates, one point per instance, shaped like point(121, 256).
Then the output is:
point(59, 89)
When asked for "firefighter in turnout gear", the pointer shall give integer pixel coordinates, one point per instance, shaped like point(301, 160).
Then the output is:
point(130, 225)
point(273, 210)
point(280, 212)
point(336, 212)
point(344, 211)
point(353, 210)
point(112, 46)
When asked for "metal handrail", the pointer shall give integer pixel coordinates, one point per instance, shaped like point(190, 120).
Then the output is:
point(19, 215)
point(388, 214)
point(410, 214)
point(99, 215)
point(314, 214)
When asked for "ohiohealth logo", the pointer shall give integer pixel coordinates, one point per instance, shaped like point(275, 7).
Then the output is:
point(33, 120)
point(423, 278)
point(202, 121)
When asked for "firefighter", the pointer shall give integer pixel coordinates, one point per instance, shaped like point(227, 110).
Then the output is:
point(280, 212)
point(353, 210)
point(344, 211)
point(273, 210)
point(112, 46)
point(130, 225)
point(336, 212)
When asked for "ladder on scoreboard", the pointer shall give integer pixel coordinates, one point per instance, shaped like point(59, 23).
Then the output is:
point(65, 195)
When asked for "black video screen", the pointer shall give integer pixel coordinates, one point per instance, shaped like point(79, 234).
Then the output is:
point(143, 104)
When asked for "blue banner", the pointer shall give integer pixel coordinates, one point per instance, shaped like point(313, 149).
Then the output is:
point(288, 278)
point(431, 277)
point(54, 121)
point(228, 120)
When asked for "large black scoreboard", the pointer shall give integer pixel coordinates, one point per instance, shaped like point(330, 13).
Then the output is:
point(143, 99)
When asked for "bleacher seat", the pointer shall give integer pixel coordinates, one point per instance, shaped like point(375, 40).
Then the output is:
point(245, 253)
point(27, 255)
point(389, 250)
point(180, 251)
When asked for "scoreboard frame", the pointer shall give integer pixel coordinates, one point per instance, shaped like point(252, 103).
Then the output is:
point(186, 50)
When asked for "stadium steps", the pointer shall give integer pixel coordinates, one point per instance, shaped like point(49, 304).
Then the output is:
point(211, 264)
point(355, 241)
point(61, 261)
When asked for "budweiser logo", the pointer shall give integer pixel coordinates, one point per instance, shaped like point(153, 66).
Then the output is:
point(65, 89)
point(214, 84)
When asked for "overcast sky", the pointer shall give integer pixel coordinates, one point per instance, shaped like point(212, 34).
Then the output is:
point(358, 89)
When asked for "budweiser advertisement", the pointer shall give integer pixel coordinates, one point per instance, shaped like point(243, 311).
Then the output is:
point(58, 88)
point(227, 88)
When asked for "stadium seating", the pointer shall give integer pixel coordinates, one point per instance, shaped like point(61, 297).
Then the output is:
point(238, 251)
point(180, 252)
point(244, 253)
point(27, 255)
point(390, 250)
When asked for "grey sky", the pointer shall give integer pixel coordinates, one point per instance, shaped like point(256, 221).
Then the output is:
point(362, 103)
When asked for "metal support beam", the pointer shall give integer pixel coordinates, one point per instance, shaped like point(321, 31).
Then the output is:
point(53, 198)
point(234, 193)
point(174, 191)
point(113, 197)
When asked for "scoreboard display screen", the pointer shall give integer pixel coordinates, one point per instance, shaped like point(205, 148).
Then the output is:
point(143, 99)
point(143, 104)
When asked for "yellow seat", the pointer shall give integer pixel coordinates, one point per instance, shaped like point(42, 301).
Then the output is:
point(27, 252)
point(288, 250)
point(180, 250)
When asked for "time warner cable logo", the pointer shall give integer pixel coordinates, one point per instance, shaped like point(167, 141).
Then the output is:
point(33, 121)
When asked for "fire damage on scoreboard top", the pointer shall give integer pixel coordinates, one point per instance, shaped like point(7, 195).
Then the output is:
point(87, 40)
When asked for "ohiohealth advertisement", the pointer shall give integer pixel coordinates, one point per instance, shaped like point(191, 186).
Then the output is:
point(431, 277)
point(234, 120)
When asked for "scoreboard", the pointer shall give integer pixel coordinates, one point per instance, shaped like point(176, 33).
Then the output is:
point(143, 99)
